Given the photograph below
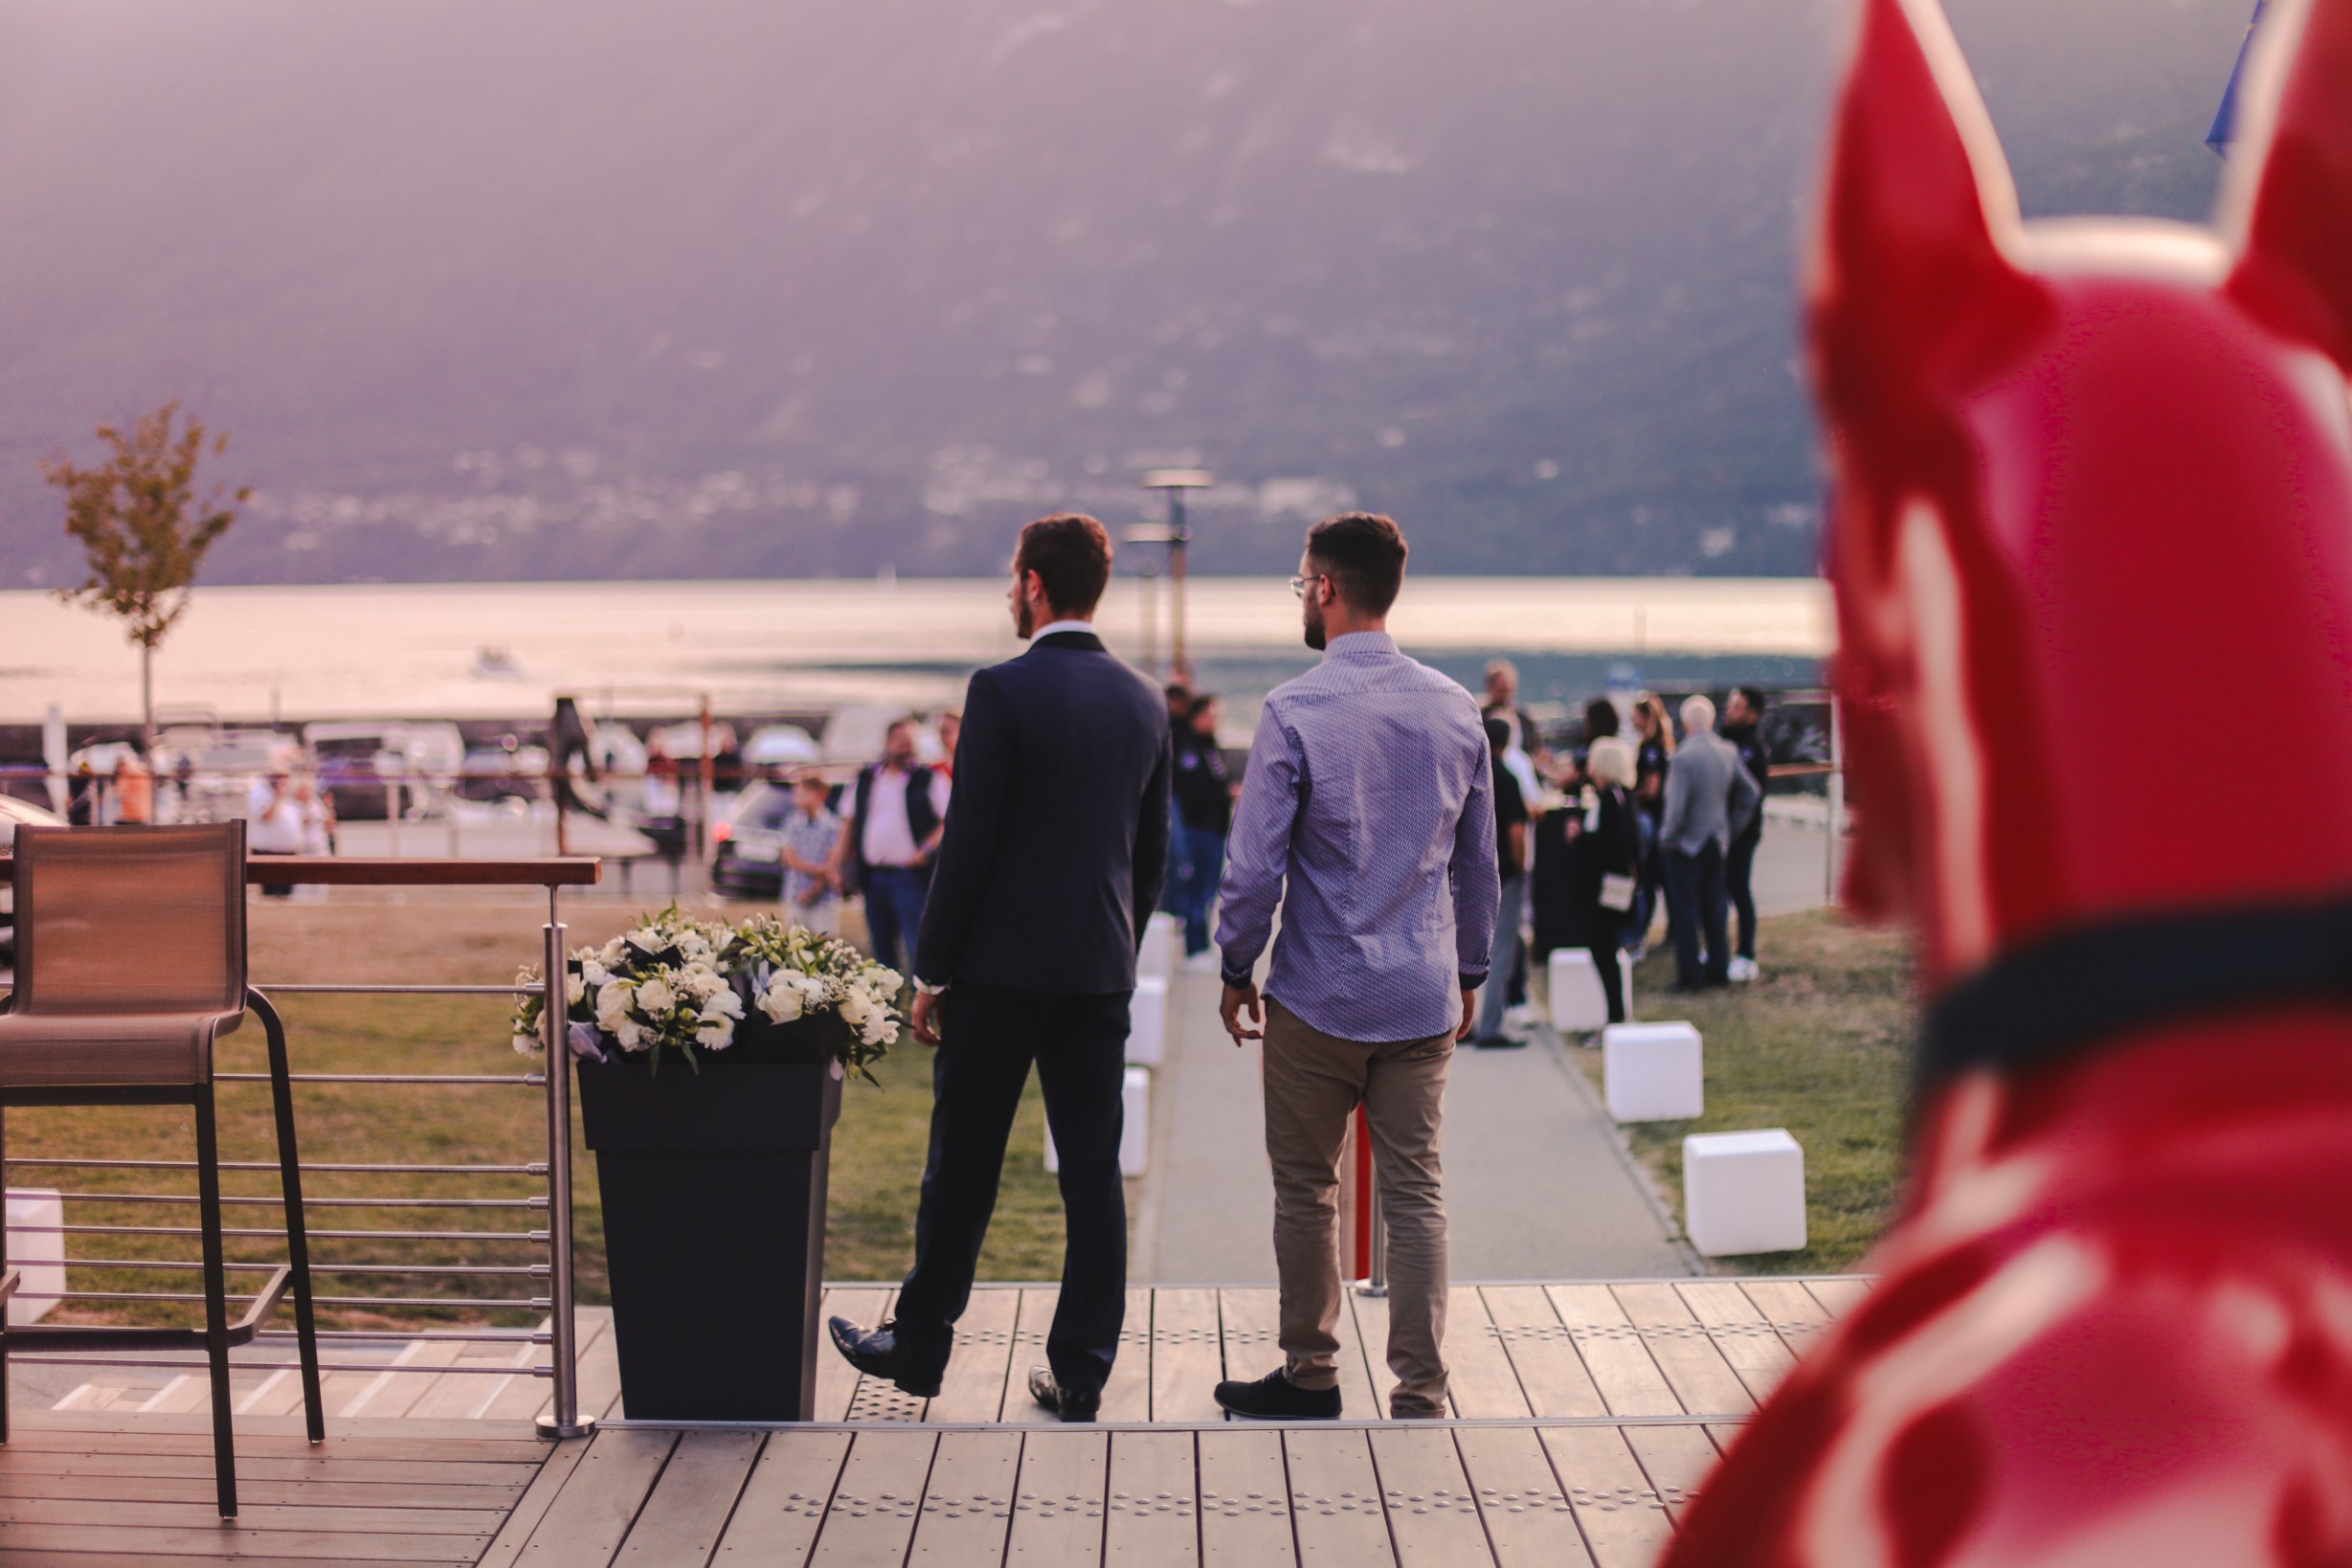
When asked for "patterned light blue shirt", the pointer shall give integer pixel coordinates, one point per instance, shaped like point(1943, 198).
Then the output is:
point(1370, 790)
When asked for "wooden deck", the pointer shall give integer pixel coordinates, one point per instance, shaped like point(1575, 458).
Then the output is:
point(1585, 1416)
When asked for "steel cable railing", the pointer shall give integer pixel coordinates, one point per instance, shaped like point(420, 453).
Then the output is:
point(548, 1273)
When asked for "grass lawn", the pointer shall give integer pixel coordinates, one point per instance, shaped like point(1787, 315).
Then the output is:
point(1819, 1046)
point(877, 1152)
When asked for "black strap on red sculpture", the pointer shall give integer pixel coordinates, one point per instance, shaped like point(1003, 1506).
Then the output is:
point(2065, 994)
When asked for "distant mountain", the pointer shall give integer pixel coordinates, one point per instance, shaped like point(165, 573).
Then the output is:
point(585, 288)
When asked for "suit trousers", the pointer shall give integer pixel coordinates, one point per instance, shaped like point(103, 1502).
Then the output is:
point(1696, 912)
point(989, 1037)
point(1739, 881)
point(1313, 1084)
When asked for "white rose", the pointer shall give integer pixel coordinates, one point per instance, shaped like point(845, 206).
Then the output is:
point(594, 973)
point(655, 997)
point(612, 1006)
point(780, 1001)
point(855, 1008)
point(526, 1045)
point(631, 1034)
point(718, 1034)
point(575, 989)
point(723, 1004)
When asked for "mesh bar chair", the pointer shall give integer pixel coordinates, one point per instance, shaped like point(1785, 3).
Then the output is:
point(130, 963)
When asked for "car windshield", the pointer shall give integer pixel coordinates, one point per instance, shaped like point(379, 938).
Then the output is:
point(763, 806)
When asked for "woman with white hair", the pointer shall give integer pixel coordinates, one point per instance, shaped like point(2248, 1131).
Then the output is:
point(1606, 862)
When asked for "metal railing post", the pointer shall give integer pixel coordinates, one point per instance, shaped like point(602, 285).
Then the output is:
point(1376, 1278)
point(563, 1419)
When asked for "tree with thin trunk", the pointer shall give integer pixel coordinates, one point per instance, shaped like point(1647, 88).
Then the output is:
point(143, 531)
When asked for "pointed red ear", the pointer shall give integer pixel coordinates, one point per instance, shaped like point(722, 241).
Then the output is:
point(2290, 202)
point(1918, 219)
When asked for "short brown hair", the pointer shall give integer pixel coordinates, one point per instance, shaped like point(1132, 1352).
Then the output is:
point(1363, 552)
point(1071, 554)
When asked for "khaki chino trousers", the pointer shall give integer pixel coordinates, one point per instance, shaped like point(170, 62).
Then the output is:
point(1313, 1084)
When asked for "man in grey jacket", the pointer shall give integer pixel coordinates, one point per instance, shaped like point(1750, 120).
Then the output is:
point(1709, 799)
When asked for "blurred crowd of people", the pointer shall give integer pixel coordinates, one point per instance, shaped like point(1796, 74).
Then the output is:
point(1630, 813)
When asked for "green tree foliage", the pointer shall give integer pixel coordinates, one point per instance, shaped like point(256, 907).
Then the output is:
point(142, 530)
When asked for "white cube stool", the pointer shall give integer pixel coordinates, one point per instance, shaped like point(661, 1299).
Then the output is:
point(1162, 936)
point(1147, 1021)
point(36, 1249)
point(1651, 1071)
point(1580, 1004)
point(1134, 1127)
point(1743, 1192)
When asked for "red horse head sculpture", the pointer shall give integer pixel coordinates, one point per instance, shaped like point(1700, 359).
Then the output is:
point(2093, 552)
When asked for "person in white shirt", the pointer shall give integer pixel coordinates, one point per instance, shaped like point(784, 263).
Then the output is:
point(899, 812)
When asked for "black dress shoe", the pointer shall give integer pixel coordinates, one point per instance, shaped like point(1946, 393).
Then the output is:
point(878, 1354)
point(1274, 1397)
point(1069, 1403)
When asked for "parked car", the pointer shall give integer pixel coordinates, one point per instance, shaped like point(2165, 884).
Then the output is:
point(362, 766)
point(747, 841)
point(498, 773)
point(14, 811)
point(781, 746)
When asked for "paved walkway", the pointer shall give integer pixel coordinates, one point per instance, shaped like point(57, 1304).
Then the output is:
point(1537, 1184)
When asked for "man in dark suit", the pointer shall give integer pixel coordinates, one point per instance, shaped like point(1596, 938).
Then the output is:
point(1056, 846)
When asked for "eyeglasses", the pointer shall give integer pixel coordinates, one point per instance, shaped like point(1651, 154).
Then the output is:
point(1298, 585)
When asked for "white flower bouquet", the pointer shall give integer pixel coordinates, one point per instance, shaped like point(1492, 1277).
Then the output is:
point(763, 990)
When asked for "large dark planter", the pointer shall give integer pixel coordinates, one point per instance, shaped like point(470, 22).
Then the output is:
point(714, 1223)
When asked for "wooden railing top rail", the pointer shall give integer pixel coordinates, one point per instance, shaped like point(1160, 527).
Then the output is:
point(354, 871)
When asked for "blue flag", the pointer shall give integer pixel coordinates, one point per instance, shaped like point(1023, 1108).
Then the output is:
point(2226, 118)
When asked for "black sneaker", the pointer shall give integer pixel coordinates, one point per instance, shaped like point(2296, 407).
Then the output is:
point(1274, 1397)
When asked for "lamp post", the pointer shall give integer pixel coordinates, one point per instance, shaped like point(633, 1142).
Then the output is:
point(1175, 481)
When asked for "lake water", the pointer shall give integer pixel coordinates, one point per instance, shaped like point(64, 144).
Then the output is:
point(249, 654)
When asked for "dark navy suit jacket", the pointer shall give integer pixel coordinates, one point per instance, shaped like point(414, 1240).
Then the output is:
point(1057, 841)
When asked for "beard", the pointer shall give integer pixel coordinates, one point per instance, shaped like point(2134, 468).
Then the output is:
point(1024, 624)
point(1315, 637)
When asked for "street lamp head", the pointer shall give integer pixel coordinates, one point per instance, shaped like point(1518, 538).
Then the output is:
point(1178, 479)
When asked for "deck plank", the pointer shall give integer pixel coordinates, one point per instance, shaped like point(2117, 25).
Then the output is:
point(1430, 1513)
point(1372, 1337)
point(329, 1466)
point(1549, 1368)
point(252, 1489)
point(1676, 1459)
point(784, 1500)
point(1838, 1297)
point(1335, 1499)
point(1187, 1362)
point(1685, 1350)
point(1743, 1335)
point(153, 1512)
point(1481, 1384)
point(1795, 1315)
point(973, 1386)
point(1249, 1331)
point(682, 1520)
point(1614, 1352)
point(1245, 1511)
point(1526, 1511)
point(1624, 1523)
point(110, 1544)
point(1028, 1350)
point(1058, 1511)
point(968, 1502)
point(1362, 1381)
point(872, 1516)
point(1149, 1521)
point(1127, 1395)
point(600, 1501)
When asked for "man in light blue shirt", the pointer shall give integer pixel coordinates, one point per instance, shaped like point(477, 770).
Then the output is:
point(1368, 814)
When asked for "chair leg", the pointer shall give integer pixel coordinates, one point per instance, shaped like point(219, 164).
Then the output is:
point(215, 1300)
point(298, 1238)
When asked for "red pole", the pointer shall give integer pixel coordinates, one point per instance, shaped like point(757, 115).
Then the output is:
point(1360, 1239)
